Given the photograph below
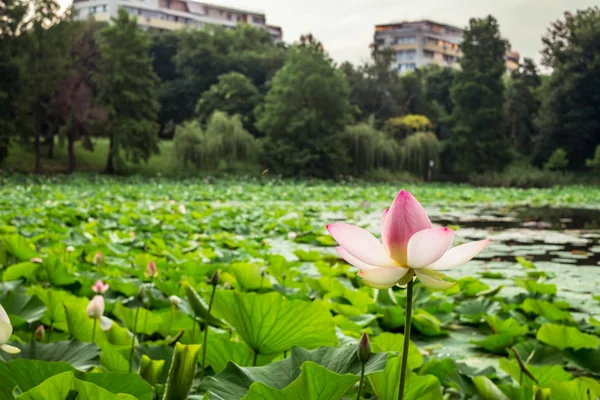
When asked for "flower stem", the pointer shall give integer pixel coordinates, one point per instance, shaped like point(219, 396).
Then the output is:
point(409, 296)
point(362, 379)
point(94, 330)
point(212, 297)
point(254, 358)
point(194, 327)
point(135, 321)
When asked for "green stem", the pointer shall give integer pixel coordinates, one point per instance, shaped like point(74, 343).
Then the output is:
point(194, 327)
point(94, 330)
point(212, 297)
point(137, 313)
point(254, 358)
point(409, 296)
point(362, 379)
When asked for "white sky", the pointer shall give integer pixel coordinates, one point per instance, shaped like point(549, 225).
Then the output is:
point(345, 27)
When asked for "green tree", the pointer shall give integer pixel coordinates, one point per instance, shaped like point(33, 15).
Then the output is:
point(234, 94)
point(203, 55)
point(478, 142)
point(438, 82)
point(375, 88)
point(304, 116)
point(522, 105)
point(12, 14)
point(127, 89)
point(44, 62)
point(568, 117)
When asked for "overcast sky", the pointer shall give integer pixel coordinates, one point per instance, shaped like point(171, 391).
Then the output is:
point(345, 27)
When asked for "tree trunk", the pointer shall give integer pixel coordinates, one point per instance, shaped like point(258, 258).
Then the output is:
point(51, 147)
point(71, 152)
point(513, 130)
point(110, 166)
point(38, 116)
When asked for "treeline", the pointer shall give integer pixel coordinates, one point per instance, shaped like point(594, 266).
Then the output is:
point(232, 98)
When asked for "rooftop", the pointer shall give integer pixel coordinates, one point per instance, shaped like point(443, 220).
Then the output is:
point(427, 21)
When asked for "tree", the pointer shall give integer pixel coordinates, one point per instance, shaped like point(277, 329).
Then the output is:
point(568, 117)
point(12, 14)
point(375, 88)
point(234, 94)
point(45, 61)
point(203, 55)
point(304, 115)
point(478, 142)
point(522, 105)
point(438, 82)
point(127, 88)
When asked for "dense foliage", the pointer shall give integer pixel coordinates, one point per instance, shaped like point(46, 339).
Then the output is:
point(68, 82)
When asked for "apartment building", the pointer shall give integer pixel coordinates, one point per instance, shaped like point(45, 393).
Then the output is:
point(419, 43)
point(174, 14)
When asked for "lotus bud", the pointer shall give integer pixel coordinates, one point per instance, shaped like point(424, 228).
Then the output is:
point(292, 235)
point(40, 333)
point(151, 270)
point(70, 249)
point(182, 209)
point(100, 287)
point(98, 258)
point(36, 260)
point(174, 300)
point(364, 348)
point(96, 307)
point(214, 280)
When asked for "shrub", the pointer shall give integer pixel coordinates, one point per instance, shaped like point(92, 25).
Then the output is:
point(594, 163)
point(188, 143)
point(400, 127)
point(524, 175)
point(370, 149)
point(557, 161)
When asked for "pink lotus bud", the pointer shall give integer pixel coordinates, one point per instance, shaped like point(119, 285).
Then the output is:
point(174, 300)
point(132, 234)
point(36, 260)
point(151, 270)
point(40, 333)
point(182, 209)
point(96, 307)
point(98, 257)
point(100, 287)
point(292, 235)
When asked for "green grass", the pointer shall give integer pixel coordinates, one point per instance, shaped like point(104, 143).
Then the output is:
point(21, 159)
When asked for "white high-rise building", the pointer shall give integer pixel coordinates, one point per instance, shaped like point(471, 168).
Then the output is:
point(174, 14)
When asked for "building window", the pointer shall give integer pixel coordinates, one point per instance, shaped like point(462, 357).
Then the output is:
point(405, 40)
point(406, 55)
point(448, 59)
point(258, 20)
point(379, 42)
point(104, 8)
point(93, 10)
point(428, 53)
point(229, 16)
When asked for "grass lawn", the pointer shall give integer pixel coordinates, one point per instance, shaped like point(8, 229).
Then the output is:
point(22, 159)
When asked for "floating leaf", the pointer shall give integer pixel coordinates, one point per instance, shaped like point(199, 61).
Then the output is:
point(562, 337)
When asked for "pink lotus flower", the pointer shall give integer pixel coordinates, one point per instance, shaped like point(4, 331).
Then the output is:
point(96, 310)
point(100, 287)
point(151, 270)
point(6, 331)
point(411, 246)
